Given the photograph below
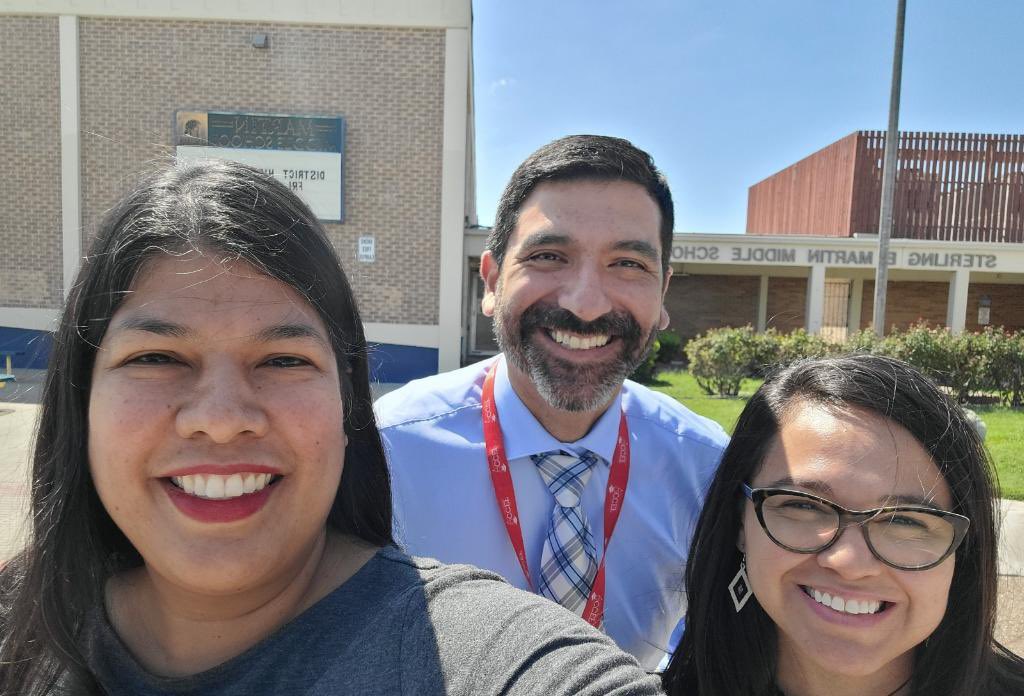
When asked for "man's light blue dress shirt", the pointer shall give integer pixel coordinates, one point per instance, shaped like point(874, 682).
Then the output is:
point(445, 505)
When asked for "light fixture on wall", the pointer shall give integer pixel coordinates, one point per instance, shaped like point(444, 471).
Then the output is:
point(260, 41)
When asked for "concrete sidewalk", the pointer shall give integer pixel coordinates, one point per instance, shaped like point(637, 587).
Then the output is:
point(1011, 538)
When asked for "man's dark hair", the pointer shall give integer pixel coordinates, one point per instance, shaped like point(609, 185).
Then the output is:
point(582, 157)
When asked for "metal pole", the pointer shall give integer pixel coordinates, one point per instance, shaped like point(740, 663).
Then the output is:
point(889, 175)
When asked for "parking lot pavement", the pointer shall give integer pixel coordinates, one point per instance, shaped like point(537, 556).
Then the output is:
point(17, 423)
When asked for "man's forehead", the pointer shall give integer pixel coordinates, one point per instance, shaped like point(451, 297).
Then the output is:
point(585, 208)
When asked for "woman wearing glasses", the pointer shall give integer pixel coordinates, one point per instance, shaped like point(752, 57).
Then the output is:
point(847, 546)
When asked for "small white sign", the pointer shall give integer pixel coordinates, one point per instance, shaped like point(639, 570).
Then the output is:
point(983, 315)
point(367, 250)
point(314, 176)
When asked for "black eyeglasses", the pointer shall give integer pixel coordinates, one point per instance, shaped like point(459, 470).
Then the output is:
point(907, 537)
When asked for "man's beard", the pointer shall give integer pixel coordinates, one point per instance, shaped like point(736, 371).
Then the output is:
point(564, 384)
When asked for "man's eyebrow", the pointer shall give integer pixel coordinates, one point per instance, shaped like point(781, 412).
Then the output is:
point(546, 239)
point(645, 249)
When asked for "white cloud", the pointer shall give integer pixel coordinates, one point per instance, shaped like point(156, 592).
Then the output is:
point(502, 83)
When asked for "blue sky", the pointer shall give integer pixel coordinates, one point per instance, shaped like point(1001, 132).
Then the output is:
point(726, 92)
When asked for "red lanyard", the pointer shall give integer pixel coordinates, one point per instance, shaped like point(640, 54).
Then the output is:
point(505, 494)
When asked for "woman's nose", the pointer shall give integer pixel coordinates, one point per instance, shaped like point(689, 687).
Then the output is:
point(850, 556)
point(223, 405)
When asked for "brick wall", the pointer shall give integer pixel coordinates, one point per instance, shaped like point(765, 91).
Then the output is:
point(907, 303)
point(387, 83)
point(787, 300)
point(1007, 305)
point(31, 266)
point(696, 303)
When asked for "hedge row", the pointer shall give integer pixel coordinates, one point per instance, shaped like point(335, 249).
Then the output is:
point(990, 362)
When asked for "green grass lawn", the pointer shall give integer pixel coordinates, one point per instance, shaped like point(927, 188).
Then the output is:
point(1005, 439)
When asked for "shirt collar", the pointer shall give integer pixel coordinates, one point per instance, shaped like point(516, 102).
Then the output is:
point(524, 435)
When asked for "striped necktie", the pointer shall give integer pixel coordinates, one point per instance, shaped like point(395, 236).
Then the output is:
point(568, 562)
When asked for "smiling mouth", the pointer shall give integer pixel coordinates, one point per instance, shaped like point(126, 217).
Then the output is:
point(846, 606)
point(220, 487)
point(574, 341)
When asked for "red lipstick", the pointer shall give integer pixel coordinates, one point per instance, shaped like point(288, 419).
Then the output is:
point(218, 511)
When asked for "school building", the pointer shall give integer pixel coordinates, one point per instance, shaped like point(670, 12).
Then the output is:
point(365, 109)
point(809, 254)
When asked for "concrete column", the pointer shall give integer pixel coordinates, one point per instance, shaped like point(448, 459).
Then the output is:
point(814, 307)
point(762, 305)
point(70, 150)
point(956, 305)
point(453, 197)
point(854, 308)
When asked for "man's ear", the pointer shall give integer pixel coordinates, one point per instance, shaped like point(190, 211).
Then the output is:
point(664, 318)
point(489, 272)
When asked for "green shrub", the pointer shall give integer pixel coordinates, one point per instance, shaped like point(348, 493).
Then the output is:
point(721, 358)
point(864, 341)
point(799, 344)
point(966, 363)
point(954, 361)
point(671, 346)
point(765, 349)
point(1004, 366)
point(644, 372)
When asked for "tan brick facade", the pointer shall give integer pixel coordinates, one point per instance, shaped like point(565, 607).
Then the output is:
point(1007, 308)
point(387, 83)
point(31, 266)
point(907, 303)
point(696, 303)
point(787, 300)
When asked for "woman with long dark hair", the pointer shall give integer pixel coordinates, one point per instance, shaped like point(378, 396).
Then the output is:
point(847, 545)
point(210, 502)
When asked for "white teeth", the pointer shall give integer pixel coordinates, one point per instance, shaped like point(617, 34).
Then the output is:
point(214, 487)
point(217, 487)
point(847, 606)
point(575, 342)
point(233, 487)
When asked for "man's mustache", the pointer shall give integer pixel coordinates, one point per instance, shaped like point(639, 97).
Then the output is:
point(621, 324)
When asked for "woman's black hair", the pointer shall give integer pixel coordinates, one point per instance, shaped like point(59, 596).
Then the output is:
point(725, 653)
point(220, 208)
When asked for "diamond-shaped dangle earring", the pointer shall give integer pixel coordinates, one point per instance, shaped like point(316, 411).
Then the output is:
point(739, 588)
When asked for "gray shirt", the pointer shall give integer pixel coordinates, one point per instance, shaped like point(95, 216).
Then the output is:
point(402, 626)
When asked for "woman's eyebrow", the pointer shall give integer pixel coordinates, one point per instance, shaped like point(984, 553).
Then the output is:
point(901, 499)
point(151, 325)
point(815, 485)
point(277, 332)
point(280, 332)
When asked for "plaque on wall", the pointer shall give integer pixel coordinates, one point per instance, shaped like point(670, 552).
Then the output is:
point(306, 153)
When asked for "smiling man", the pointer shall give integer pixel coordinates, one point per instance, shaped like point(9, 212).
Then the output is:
point(546, 464)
